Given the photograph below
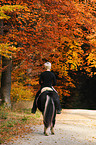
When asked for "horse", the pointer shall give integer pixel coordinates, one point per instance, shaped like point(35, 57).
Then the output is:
point(46, 105)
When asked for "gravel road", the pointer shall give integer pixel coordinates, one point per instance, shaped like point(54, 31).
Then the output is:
point(73, 127)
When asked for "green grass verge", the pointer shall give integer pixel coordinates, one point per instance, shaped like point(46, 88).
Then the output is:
point(14, 123)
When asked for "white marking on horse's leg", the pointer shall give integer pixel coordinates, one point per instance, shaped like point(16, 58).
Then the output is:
point(52, 130)
point(45, 131)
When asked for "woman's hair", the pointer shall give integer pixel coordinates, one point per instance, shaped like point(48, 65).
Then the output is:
point(47, 65)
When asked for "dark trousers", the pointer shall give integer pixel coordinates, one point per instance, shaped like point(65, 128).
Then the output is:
point(55, 98)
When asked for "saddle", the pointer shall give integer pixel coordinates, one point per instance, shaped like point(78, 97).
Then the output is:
point(46, 89)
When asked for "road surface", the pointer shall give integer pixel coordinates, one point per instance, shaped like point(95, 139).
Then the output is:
point(73, 127)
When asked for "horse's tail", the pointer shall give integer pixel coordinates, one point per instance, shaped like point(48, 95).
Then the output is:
point(49, 110)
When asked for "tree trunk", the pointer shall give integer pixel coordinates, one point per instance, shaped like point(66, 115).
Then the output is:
point(1, 41)
point(6, 81)
point(0, 81)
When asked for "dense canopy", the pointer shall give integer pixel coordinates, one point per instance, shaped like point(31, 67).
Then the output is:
point(59, 31)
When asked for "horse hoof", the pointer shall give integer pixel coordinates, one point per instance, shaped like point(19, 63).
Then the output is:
point(52, 133)
point(46, 134)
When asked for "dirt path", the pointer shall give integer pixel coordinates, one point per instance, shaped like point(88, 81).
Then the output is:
point(73, 127)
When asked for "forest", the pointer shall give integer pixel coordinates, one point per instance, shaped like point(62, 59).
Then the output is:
point(61, 32)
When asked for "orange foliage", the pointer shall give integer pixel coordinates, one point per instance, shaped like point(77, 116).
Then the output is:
point(52, 30)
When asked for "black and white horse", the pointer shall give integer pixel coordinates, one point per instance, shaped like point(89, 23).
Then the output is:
point(46, 105)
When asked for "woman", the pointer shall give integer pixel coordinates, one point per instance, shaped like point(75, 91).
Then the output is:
point(47, 79)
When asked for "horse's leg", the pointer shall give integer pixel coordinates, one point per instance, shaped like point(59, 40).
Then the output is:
point(52, 130)
point(53, 123)
point(45, 131)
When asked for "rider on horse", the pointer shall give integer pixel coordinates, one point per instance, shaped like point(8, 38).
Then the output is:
point(47, 79)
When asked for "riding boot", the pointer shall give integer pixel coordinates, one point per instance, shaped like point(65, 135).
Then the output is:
point(58, 106)
point(34, 108)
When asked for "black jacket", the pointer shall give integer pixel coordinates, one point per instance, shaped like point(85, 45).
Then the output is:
point(47, 79)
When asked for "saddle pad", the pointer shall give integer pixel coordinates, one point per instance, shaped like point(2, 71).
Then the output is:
point(46, 89)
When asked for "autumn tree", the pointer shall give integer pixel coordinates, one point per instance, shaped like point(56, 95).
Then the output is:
point(6, 65)
point(6, 51)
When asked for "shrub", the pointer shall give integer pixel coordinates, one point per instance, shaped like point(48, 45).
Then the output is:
point(20, 92)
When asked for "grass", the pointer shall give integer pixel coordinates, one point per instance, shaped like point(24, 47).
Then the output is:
point(14, 123)
point(3, 115)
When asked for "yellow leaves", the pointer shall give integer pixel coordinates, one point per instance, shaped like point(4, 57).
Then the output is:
point(3, 16)
point(74, 59)
point(9, 8)
point(69, 42)
point(92, 58)
point(93, 42)
point(34, 82)
point(7, 50)
point(73, 53)
point(92, 38)
point(20, 92)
